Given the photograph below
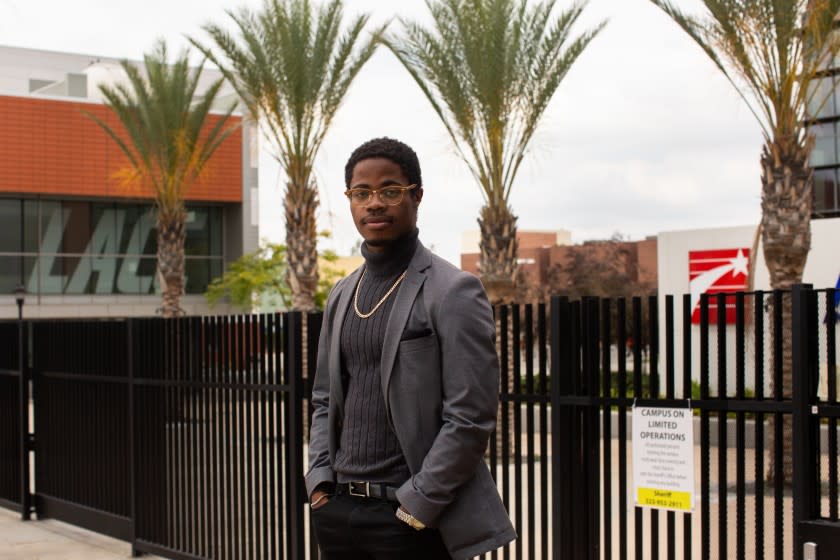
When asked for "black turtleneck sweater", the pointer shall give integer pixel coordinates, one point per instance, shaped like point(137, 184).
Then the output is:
point(368, 449)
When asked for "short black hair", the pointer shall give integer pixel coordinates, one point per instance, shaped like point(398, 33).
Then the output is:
point(387, 148)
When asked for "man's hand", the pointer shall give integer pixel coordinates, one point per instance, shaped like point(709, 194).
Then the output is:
point(318, 499)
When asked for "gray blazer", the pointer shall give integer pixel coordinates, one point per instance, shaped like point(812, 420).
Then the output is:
point(440, 378)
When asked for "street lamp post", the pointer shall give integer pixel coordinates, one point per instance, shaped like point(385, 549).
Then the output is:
point(23, 393)
point(20, 296)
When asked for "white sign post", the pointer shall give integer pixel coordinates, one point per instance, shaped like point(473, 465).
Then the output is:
point(663, 458)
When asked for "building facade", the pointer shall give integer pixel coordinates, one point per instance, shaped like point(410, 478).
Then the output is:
point(824, 125)
point(79, 241)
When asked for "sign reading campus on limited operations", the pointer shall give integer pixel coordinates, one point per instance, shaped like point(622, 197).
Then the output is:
point(663, 458)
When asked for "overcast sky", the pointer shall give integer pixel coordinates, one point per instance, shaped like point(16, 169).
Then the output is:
point(643, 136)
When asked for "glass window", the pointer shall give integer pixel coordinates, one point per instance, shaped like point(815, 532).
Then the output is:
point(216, 269)
point(76, 227)
point(30, 226)
point(103, 223)
point(197, 275)
point(148, 232)
point(148, 277)
point(10, 273)
point(825, 191)
point(215, 232)
point(129, 220)
point(84, 247)
point(78, 274)
point(821, 98)
point(197, 241)
point(825, 151)
point(11, 236)
point(52, 226)
point(53, 272)
point(103, 274)
point(17, 270)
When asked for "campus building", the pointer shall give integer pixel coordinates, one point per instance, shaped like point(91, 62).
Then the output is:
point(79, 241)
point(545, 255)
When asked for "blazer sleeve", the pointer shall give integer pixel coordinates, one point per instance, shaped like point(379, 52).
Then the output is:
point(470, 393)
point(320, 469)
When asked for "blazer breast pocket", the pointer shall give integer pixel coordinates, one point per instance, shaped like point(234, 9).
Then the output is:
point(418, 343)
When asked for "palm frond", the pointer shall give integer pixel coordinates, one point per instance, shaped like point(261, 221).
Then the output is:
point(292, 66)
point(489, 68)
point(167, 138)
point(771, 51)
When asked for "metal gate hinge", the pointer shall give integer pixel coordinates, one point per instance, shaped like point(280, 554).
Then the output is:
point(815, 409)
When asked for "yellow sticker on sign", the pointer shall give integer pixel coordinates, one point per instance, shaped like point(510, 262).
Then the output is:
point(667, 499)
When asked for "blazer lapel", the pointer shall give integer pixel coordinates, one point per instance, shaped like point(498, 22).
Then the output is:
point(406, 294)
point(336, 386)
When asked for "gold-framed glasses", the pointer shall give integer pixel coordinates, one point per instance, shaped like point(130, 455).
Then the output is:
point(390, 196)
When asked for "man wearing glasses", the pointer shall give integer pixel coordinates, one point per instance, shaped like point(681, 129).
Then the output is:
point(406, 388)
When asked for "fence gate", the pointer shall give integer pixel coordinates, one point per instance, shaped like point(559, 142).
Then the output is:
point(817, 461)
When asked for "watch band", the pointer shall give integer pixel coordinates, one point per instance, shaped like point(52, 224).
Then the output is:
point(409, 519)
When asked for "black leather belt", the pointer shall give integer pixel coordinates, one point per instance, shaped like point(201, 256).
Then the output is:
point(368, 490)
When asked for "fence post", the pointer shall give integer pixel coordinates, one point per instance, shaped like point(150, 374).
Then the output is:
point(23, 396)
point(589, 466)
point(805, 458)
point(132, 438)
point(562, 449)
point(293, 365)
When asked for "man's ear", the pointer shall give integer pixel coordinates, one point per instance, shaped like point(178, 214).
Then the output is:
point(418, 196)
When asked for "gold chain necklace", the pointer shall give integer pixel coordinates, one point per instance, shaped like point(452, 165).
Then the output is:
point(381, 301)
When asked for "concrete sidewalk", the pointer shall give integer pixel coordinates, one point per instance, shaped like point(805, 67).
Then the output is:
point(54, 540)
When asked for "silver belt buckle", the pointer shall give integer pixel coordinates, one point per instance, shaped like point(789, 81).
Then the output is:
point(364, 494)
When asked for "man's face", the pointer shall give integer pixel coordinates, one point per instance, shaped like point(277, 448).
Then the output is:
point(378, 223)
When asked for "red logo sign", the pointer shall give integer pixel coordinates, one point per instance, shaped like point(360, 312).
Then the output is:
point(714, 272)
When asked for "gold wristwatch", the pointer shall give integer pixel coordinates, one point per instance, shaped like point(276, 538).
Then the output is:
point(409, 519)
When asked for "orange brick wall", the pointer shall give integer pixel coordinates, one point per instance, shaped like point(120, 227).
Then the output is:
point(53, 147)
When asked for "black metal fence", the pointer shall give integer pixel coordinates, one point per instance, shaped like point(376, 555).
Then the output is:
point(186, 437)
point(12, 438)
point(766, 450)
point(183, 437)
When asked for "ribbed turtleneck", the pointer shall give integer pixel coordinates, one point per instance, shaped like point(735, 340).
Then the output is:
point(395, 257)
point(368, 449)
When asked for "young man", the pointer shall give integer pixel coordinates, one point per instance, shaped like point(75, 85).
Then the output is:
point(406, 388)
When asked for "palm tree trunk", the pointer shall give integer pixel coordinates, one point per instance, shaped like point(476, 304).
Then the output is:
point(497, 263)
point(497, 266)
point(786, 203)
point(171, 233)
point(301, 245)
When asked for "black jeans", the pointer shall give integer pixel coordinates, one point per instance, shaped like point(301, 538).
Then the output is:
point(353, 528)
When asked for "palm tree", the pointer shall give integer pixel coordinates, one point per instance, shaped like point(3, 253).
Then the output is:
point(771, 51)
point(292, 67)
point(168, 138)
point(490, 68)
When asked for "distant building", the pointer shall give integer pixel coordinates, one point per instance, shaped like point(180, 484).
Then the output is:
point(79, 242)
point(542, 253)
point(533, 256)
